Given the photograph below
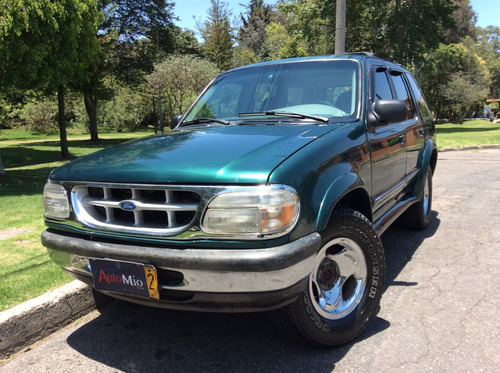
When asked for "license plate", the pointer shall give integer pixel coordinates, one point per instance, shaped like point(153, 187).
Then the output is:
point(126, 278)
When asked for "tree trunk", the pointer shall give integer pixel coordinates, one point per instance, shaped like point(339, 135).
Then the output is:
point(62, 124)
point(340, 27)
point(91, 108)
point(2, 172)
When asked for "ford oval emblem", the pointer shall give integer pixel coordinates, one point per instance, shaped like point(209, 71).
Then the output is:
point(128, 205)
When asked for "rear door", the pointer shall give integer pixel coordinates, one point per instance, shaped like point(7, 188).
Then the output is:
point(422, 128)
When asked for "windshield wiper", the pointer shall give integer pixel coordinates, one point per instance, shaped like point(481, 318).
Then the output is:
point(206, 120)
point(285, 114)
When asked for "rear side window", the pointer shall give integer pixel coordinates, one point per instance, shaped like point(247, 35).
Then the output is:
point(419, 97)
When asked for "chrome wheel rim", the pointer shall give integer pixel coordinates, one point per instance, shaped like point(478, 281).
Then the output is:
point(338, 280)
point(425, 198)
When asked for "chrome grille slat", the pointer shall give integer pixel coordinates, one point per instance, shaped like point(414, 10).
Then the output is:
point(141, 205)
point(145, 210)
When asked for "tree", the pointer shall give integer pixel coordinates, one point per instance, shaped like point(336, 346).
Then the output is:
point(186, 43)
point(280, 44)
point(252, 34)
point(488, 47)
point(48, 45)
point(402, 31)
point(217, 35)
point(181, 79)
point(464, 19)
point(463, 93)
point(133, 34)
point(309, 23)
point(446, 70)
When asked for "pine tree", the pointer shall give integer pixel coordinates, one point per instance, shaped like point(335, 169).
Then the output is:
point(217, 35)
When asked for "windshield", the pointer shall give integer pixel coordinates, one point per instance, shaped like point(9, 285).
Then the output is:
point(326, 89)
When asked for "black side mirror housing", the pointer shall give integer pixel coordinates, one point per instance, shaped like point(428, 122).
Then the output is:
point(175, 120)
point(388, 111)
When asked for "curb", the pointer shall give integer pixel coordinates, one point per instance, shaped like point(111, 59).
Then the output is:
point(31, 321)
point(471, 147)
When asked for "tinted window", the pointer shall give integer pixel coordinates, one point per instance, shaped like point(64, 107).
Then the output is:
point(382, 86)
point(324, 88)
point(402, 92)
point(419, 97)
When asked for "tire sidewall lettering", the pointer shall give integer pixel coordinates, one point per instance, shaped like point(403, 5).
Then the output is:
point(358, 229)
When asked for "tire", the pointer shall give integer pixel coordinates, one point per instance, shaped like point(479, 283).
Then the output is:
point(344, 288)
point(418, 216)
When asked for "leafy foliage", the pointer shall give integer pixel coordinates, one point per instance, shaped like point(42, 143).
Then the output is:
point(40, 115)
point(447, 70)
point(181, 79)
point(217, 36)
point(125, 111)
point(488, 47)
point(47, 45)
point(252, 34)
point(34, 32)
point(463, 94)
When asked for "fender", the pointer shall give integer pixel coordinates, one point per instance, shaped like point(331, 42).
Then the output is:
point(339, 188)
point(425, 163)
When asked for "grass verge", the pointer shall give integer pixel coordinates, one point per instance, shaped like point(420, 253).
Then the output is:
point(473, 132)
point(26, 269)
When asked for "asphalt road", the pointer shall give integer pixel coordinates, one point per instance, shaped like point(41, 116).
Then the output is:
point(439, 312)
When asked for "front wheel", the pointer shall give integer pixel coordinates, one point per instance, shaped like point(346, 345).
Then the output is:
point(345, 285)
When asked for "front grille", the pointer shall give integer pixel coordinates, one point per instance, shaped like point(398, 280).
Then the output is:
point(146, 210)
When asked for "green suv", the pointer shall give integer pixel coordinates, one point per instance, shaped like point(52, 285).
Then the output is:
point(271, 192)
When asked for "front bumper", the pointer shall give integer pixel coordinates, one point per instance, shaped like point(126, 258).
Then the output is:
point(197, 278)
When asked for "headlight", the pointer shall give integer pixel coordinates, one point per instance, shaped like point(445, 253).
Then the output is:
point(55, 202)
point(262, 211)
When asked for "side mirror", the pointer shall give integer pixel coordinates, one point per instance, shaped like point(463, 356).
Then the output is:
point(175, 120)
point(388, 111)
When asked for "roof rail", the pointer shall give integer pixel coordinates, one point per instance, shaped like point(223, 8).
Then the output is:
point(361, 53)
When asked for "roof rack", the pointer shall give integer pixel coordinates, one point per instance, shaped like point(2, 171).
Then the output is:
point(360, 53)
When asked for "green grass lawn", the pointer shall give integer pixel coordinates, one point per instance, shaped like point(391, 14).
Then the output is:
point(26, 269)
point(474, 132)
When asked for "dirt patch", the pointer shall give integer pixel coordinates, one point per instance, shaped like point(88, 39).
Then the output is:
point(12, 232)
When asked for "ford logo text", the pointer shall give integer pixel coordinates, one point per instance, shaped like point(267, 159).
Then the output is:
point(128, 205)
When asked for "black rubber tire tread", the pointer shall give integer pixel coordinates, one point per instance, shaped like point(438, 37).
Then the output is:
point(291, 319)
point(415, 218)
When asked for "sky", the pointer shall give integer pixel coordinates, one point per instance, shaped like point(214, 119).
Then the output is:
point(488, 11)
point(187, 9)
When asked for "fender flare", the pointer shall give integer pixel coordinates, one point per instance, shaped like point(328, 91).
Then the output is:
point(337, 189)
point(425, 163)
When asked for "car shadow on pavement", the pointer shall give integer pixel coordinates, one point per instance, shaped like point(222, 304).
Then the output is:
point(401, 244)
point(134, 338)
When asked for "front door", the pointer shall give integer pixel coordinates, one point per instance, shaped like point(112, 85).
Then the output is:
point(387, 147)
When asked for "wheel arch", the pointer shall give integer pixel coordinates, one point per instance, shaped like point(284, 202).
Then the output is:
point(428, 159)
point(346, 191)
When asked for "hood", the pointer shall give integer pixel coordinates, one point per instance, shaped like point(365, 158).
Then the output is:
point(212, 155)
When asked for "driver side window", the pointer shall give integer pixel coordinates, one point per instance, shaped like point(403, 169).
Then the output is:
point(382, 86)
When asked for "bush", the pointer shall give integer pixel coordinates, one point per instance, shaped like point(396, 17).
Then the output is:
point(40, 115)
point(127, 110)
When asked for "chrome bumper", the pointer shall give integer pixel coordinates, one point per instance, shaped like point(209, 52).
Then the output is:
point(203, 270)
